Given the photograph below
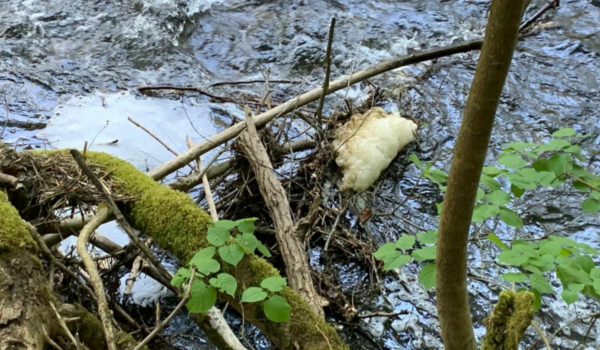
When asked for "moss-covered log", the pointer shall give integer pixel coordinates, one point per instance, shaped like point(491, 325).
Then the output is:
point(178, 225)
point(27, 320)
point(508, 321)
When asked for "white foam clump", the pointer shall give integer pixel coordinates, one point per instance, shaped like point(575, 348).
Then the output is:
point(368, 143)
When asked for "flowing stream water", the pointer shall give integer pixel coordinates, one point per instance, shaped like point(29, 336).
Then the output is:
point(76, 62)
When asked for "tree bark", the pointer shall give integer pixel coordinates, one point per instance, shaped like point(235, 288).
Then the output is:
point(292, 251)
point(470, 151)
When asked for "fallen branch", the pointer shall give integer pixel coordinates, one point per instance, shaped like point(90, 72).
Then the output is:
point(292, 251)
point(8, 181)
point(327, 73)
point(253, 82)
point(95, 279)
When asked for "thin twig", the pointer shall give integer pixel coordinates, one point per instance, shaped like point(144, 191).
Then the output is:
point(335, 223)
point(206, 184)
point(383, 314)
point(95, 279)
point(7, 115)
point(160, 326)
point(254, 82)
point(327, 72)
point(552, 4)
point(542, 334)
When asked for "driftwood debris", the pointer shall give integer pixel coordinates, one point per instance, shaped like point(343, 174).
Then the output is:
point(293, 252)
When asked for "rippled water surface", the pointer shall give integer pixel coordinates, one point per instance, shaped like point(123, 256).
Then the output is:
point(53, 51)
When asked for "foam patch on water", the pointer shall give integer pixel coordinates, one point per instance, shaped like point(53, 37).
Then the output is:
point(102, 120)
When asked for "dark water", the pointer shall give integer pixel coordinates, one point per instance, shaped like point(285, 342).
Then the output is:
point(52, 50)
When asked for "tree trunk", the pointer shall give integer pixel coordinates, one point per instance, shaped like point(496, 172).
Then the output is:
point(469, 155)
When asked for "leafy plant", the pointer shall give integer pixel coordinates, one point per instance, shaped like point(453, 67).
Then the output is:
point(521, 167)
point(234, 239)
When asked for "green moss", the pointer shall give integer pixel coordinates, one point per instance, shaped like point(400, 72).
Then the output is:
point(508, 321)
point(178, 225)
point(13, 231)
point(520, 319)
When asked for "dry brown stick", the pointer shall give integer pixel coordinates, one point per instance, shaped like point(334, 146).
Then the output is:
point(136, 269)
point(63, 325)
point(8, 181)
point(335, 223)
point(206, 184)
point(292, 251)
point(308, 97)
point(164, 275)
point(552, 4)
point(327, 73)
point(254, 82)
point(160, 326)
point(95, 279)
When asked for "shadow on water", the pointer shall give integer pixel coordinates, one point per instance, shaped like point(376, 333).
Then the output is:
point(53, 50)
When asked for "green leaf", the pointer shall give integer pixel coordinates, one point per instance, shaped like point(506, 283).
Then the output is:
point(517, 191)
point(540, 283)
point(540, 165)
point(426, 253)
point(396, 261)
point(553, 247)
point(218, 236)
point(522, 181)
point(585, 262)
point(484, 211)
point(263, 250)
point(427, 276)
point(560, 163)
point(553, 145)
point(225, 282)
point(492, 237)
point(590, 205)
point(274, 284)
point(253, 295)
point(277, 309)
point(246, 227)
point(385, 250)
point(564, 132)
point(413, 158)
point(440, 207)
point(573, 149)
point(489, 182)
point(405, 242)
point(518, 146)
point(492, 171)
point(180, 277)
point(480, 194)
point(514, 277)
point(537, 299)
point(510, 218)
point(511, 161)
point(239, 222)
point(429, 237)
point(569, 296)
point(226, 224)
point(518, 255)
point(248, 241)
point(547, 178)
point(202, 297)
point(207, 252)
point(498, 197)
point(437, 176)
point(231, 254)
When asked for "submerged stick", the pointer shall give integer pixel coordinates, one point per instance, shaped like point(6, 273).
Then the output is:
point(327, 72)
